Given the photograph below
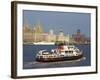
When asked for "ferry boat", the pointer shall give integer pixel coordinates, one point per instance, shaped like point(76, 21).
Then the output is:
point(44, 43)
point(61, 53)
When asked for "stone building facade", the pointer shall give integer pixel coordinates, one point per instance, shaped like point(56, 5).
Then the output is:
point(37, 35)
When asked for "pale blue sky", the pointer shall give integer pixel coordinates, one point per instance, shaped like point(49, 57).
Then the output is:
point(68, 22)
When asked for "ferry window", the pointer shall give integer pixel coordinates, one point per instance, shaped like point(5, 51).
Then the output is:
point(70, 51)
point(45, 52)
point(66, 51)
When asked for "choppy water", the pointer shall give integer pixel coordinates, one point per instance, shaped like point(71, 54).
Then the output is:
point(29, 53)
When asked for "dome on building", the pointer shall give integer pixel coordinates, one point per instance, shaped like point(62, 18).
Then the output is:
point(61, 33)
point(26, 28)
point(51, 32)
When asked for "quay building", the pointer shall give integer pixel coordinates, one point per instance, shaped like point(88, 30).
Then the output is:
point(36, 34)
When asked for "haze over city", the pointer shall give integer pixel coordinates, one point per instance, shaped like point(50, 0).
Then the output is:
point(68, 22)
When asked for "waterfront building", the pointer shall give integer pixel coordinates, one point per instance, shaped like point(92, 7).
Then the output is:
point(61, 37)
point(37, 31)
point(37, 35)
point(51, 36)
point(27, 33)
point(78, 37)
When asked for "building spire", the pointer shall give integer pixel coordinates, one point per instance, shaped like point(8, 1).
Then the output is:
point(38, 27)
point(26, 26)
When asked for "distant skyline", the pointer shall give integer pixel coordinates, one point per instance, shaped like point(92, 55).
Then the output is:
point(68, 22)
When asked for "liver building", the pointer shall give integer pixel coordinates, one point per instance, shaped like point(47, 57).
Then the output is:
point(36, 34)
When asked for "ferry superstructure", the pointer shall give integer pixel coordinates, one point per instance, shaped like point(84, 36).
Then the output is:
point(61, 53)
